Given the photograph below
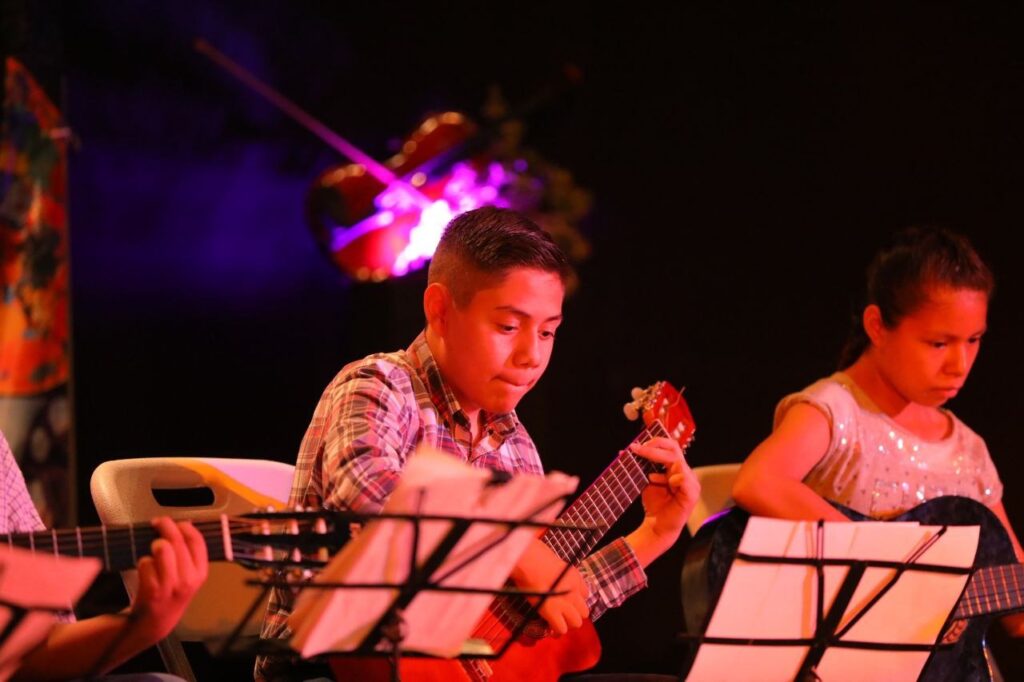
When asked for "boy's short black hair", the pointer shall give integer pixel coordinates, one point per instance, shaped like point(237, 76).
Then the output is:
point(484, 244)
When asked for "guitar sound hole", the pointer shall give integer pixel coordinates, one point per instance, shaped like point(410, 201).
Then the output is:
point(184, 497)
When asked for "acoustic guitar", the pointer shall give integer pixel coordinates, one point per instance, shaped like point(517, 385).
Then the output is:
point(995, 587)
point(535, 655)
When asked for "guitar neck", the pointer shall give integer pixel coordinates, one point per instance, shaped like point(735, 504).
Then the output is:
point(994, 589)
point(120, 547)
point(601, 504)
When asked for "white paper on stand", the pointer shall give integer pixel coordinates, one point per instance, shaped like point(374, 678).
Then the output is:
point(437, 623)
point(776, 601)
point(36, 581)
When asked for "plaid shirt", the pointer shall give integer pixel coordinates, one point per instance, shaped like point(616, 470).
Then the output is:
point(17, 513)
point(369, 421)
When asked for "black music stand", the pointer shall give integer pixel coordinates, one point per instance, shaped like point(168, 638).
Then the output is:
point(386, 637)
point(834, 629)
point(34, 589)
point(18, 615)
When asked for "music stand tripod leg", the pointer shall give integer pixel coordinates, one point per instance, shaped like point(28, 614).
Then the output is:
point(394, 631)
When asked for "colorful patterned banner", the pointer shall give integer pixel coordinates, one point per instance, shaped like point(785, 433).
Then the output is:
point(34, 349)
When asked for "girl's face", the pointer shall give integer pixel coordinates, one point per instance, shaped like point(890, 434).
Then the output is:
point(927, 356)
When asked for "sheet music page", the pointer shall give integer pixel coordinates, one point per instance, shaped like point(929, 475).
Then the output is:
point(34, 580)
point(772, 601)
point(437, 623)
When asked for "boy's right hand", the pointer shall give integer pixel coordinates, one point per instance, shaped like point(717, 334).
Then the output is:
point(536, 570)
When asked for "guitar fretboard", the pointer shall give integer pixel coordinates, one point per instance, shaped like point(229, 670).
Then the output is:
point(119, 548)
point(993, 589)
point(604, 501)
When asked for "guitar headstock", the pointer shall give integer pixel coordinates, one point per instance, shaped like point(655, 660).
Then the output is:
point(661, 402)
point(301, 539)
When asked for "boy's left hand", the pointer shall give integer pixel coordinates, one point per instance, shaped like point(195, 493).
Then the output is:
point(671, 496)
point(170, 577)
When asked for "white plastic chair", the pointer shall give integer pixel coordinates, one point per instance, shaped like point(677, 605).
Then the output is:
point(715, 492)
point(123, 492)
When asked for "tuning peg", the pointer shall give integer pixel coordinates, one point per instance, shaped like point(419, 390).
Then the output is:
point(631, 411)
point(636, 392)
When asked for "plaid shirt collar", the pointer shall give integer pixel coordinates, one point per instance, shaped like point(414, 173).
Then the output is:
point(500, 425)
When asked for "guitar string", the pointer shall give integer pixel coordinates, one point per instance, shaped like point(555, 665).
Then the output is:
point(509, 612)
point(988, 585)
point(120, 541)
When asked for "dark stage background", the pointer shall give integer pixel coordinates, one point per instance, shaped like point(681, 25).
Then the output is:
point(745, 161)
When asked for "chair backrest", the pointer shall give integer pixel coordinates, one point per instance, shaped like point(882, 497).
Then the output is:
point(125, 491)
point(715, 492)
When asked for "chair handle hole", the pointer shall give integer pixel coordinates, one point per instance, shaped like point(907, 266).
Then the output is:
point(201, 496)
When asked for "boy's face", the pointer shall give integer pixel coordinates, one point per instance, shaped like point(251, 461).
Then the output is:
point(498, 346)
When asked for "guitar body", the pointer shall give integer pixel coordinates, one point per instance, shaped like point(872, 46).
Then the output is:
point(359, 669)
point(539, 660)
point(714, 548)
point(544, 659)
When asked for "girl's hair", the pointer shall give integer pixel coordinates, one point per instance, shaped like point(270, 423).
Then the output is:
point(901, 275)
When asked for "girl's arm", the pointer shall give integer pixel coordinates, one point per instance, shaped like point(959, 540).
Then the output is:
point(770, 482)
